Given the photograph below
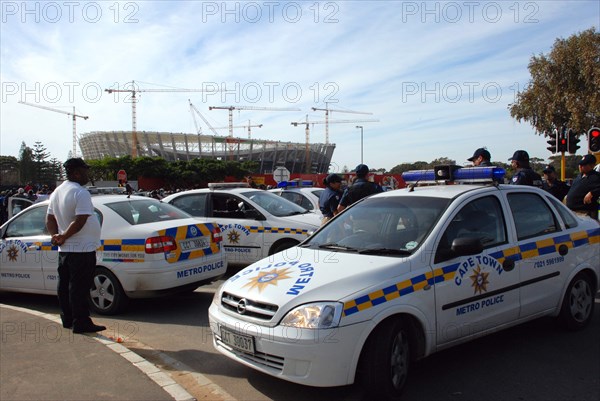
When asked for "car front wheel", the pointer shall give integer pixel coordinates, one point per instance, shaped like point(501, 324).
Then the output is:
point(106, 295)
point(385, 361)
point(578, 303)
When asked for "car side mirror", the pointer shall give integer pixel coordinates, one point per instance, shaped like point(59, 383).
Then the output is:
point(465, 246)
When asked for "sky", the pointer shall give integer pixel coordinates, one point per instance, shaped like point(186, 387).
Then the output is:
point(438, 76)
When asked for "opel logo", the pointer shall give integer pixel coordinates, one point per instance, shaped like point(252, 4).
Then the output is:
point(241, 306)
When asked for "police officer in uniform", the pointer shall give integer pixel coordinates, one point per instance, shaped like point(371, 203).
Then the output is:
point(585, 190)
point(481, 158)
point(553, 185)
point(330, 198)
point(360, 188)
point(524, 173)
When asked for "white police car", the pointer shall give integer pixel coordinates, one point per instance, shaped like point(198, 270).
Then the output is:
point(147, 248)
point(301, 193)
point(255, 223)
point(403, 274)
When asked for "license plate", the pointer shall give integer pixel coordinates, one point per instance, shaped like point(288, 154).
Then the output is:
point(194, 243)
point(237, 341)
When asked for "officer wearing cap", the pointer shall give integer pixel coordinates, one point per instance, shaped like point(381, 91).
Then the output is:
point(553, 185)
point(330, 198)
point(360, 188)
point(524, 173)
point(76, 230)
point(481, 158)
point(585, 190)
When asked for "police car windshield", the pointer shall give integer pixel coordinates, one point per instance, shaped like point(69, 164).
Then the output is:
point(146, 211)
point(276, 205)
point(387, 226)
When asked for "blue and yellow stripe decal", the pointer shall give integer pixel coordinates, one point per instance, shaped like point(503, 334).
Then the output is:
point(276, 230)
point(525, 251)
point(187, 232)
point(123, 250)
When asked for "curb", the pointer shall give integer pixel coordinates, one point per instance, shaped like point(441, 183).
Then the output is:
point(163, 380)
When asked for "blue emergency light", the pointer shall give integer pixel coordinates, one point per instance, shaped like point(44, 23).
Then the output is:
point(295, 184)
point(455, 174)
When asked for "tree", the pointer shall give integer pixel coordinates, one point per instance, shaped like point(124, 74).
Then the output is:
point(26, 163)
point(41, 166)
point(564, 90)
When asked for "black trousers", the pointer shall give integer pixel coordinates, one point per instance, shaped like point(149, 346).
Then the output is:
point(75, 272)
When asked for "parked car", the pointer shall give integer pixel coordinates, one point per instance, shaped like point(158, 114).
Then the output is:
point(305, 195)
point(255, 223)
point(148, 248)
point(406, 273)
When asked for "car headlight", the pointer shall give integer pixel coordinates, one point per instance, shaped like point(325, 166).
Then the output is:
point(217, 297)
point(320, 315)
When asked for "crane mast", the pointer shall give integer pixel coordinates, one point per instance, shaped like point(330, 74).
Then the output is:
point(74, 152)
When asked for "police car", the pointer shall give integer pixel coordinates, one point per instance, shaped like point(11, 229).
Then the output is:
point(403, 274)
point(255, 223)
point(301, 193)
point(147, 248)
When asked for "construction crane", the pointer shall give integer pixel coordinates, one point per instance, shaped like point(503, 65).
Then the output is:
point(134, 99)
point(307, 132)
point(194, 109)
point(249, 126)
point(231, 108)
point(327, 110)
point(67, 113)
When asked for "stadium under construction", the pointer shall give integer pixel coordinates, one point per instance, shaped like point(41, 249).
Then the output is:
point(296, 157)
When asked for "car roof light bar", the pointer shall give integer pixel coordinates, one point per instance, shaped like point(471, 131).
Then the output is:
point(455, 174)
point(295, 184)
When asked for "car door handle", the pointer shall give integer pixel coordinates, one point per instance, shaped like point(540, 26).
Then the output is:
point(33, 247)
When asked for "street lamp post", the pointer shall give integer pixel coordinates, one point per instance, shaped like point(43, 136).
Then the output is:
point(361, 143)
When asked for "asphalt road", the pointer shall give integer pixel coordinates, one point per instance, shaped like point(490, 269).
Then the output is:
point(534, 361)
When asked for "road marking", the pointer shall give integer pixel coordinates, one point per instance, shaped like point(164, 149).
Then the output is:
point(155, 373)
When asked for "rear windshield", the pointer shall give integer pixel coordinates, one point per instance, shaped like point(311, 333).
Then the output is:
point(146, 211)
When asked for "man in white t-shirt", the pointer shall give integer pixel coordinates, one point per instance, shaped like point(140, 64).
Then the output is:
point(76, 230)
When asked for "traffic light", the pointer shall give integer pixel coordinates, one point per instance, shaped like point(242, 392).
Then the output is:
point(594, 139)
point(572, 142)
point(552, 142)
point(561, 146)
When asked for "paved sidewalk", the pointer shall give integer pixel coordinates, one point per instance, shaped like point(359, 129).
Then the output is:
point(39, 360)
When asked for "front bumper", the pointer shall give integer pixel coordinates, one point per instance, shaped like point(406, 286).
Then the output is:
point(320, 358)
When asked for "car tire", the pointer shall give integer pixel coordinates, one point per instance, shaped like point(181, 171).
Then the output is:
point(106, 294)
point(385, 361)
point(282, 246)
point(578, 304)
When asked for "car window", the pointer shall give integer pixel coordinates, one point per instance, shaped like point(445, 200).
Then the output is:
point(229, 206)
point(387, 224)
point(194, 204)
point(318, 192)
point(276, 205)
point(565, 214)
point(19, 205)
point(146, 211)
point(31, 223)
point(298, 199)
point(482, 219)
point(532, 215)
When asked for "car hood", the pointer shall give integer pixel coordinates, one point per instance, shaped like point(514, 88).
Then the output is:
point(306, 218)
point(301, 275)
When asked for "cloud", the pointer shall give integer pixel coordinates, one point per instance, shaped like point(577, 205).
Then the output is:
point(438, 75)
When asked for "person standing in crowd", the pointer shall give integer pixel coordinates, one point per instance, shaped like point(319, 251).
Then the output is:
point(553, 185)
point(585, 190)
point(360, 188)
point(524, 173)
point(330, 198)
point(481, 158)
point(76, 230)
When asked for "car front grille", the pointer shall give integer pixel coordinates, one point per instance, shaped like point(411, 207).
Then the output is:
point(248, 307)
point(258, 358)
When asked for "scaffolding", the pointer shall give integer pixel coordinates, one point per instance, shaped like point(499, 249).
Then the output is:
point(185, 147)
